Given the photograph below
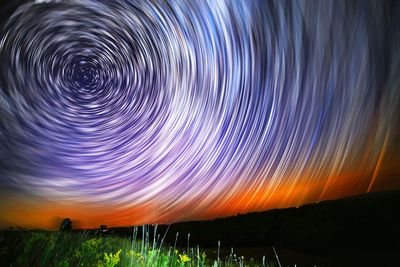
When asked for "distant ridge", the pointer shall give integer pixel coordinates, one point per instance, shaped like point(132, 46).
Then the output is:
point(363, 227)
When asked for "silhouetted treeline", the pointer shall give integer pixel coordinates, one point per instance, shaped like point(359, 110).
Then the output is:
point(367, 224)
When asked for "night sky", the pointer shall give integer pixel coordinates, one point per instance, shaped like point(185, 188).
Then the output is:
point(131, 112)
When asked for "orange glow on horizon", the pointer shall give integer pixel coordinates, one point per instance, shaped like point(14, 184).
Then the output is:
point(24, 212)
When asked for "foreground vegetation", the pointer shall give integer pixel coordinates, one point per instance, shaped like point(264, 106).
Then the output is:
point(64, 249)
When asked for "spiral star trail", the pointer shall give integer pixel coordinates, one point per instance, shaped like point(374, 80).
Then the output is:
point(128, 112)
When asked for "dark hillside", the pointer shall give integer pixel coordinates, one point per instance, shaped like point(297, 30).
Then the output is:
point(365, 226)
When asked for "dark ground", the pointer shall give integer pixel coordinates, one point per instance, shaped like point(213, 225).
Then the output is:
point(356, 231)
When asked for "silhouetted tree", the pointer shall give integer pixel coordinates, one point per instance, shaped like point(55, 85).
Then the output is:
point(103, 228)
point(66, 225)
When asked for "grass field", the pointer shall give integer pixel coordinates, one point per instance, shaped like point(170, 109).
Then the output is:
point(64, 249)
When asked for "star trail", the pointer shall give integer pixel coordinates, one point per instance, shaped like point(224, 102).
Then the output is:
point(129, 112)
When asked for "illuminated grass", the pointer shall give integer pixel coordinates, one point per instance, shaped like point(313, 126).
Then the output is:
point(65, 249)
